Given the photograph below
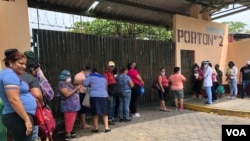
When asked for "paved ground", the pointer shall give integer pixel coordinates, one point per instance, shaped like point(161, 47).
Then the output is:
point(154, 125)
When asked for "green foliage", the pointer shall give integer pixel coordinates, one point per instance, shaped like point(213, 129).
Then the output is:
point(121, 29)
point(235, 27)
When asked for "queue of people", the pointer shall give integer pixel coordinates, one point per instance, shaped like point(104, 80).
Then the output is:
point(20, 88)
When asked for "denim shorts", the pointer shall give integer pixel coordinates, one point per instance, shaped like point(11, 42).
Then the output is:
point(179, 94)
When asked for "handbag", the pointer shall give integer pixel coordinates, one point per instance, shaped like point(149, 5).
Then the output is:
point(115, 89)
point(155, 85)
point(86, 100)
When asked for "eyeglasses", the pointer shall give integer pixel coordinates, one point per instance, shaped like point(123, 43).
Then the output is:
point(111, 66)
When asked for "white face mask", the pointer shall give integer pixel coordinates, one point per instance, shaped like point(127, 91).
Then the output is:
point(162, 73)
point(68, 80)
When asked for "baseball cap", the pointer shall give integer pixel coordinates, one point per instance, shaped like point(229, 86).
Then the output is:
point(64, 74)
point(111, 63)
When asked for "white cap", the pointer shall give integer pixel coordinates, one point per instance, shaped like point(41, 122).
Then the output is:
point(111, 63)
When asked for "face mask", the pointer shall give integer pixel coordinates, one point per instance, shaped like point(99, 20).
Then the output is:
point(162, 73)
point(68, 80)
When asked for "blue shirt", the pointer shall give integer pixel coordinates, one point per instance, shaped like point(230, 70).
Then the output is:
point(97, 84)
point(123, 80)
point(9, 77)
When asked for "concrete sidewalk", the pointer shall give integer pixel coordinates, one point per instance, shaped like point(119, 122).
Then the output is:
point(198, 122)
point(223, 106)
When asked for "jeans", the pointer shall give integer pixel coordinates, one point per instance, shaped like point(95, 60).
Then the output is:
point(245, 83)
point(209, 94)
point(112, 101)
point(34, 133)
point(124, 101)
point(233, 87)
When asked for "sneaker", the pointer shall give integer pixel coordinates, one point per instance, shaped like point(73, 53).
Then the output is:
point(136, 115)
point(127, 120)
point(206, 103)
point(177, 109)
point(233, 97)
point(214, 101)
point(73, 133)
point(121, 120)
point(181, 109)
point(68, 138)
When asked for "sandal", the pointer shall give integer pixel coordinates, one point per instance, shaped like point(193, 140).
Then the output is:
point(107, 130)
point(95, 130)
point(164, 110)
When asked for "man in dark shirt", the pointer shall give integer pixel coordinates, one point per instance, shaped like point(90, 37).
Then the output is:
point(244, 78)
point(219, 74)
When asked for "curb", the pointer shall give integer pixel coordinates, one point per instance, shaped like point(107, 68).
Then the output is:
point(214, 110)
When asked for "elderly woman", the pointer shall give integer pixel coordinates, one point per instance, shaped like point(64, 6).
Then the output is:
point(98, 98)
point(19, 104)
point(70, 102)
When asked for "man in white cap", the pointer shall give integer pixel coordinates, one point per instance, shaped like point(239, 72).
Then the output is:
point(244, 78)
point(108, 74)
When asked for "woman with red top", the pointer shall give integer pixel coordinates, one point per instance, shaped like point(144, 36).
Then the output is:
point(163, 83)
point(138, 83)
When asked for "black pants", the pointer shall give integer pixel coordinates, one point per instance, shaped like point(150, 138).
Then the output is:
point(134, 98)
point(16, 126)
point(197, 87)
point(214, 87)
point(162, 95)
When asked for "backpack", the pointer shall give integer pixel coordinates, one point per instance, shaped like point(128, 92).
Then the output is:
point(220, 89)
point(48, 93)
point(45, 120)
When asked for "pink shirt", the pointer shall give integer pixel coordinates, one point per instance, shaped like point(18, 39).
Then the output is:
point(78, 79)
point(164, 80)
point(177, 81)
point(133, 73)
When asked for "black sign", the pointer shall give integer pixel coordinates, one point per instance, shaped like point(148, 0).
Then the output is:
point(236, 132)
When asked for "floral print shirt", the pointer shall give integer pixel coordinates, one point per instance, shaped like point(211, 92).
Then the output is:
point(69, 104)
